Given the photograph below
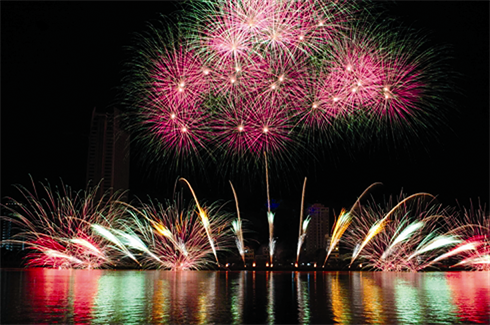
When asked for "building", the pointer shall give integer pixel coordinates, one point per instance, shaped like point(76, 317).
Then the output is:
point(318, 229)
point(249, 254)
point(9, 230)
point(108, 152)
point(6, 234)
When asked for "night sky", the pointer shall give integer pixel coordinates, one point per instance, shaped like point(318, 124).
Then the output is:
point(61, 59)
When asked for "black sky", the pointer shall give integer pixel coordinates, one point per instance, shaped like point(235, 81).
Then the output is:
point(59, 60)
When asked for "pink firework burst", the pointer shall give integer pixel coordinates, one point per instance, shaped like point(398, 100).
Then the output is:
point(252, 127)
point(236, 78)
point(281, 80)
point(258, 75)
point(354, 76)
point(251, 16)
point(311, 108)
point(286, 27)
point(182, 129)
point(179, 76)
point(401, 89)
point(222, 42)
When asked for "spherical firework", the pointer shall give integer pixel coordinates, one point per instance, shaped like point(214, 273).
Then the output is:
point(179, 77)
point(240, 78)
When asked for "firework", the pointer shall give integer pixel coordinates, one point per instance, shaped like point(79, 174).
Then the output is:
point(175, 237)
point(237, 229)
point(303, 226)
point(473, 228)
point(239, 78)
point(340, 226)
point(204, 219)
point(378, 225)
point(270, 216)
point(66, 229)
point(57, 226)
point(410, 236)
point(343, 222)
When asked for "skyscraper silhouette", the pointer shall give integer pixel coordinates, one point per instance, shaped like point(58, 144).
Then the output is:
point(108, 152)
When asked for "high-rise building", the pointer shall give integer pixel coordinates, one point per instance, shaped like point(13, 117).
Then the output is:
point(318, 227)
point(6, 234)
point(108, 152)
point(9, 230)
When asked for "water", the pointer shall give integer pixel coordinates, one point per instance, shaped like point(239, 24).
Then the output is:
point(243, 297)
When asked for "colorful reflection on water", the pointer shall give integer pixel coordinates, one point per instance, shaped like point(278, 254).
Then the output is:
point(201, 297)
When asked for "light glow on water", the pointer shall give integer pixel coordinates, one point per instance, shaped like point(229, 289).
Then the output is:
point(302, 294)
point(408, 301)
point(340, 305)
point(372, 300)
point(240, 297)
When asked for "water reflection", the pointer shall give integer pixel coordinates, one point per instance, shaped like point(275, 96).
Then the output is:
point(190, 297)
point(340, 298)
point(237, 288)
point(408, 300)
point(119, 297)
point(469, 294)
point(372, 300)
point(303, 294)
point(270, 298)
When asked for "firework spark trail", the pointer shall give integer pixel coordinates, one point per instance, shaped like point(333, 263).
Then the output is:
point(143, 229)
point(473, 226)
point(272, 241)
point(344, 220)
point(373, 231)
point(237, 228)
point(164, 231)
point(91, 247)
point(301, 238)
point(204, 219)
point(174, 238)
point(107, 234)
point(358, 201)
point(302, 226)
point(135, 242)
point(139, 227)
point(464, 247)
point(60, 221)
point(404, 201)
point(379, 227)
point(341, 225)
point(476, 261)
point(403, 236)
point(270, 215)
point(435, 243)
